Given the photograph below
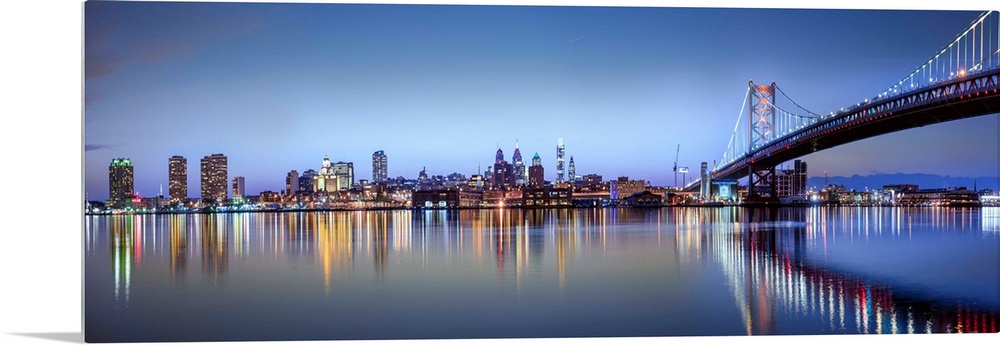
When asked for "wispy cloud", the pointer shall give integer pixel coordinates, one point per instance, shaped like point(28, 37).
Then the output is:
point(95, 147)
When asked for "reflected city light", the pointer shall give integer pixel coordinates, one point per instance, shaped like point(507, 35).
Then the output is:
point(775, 262)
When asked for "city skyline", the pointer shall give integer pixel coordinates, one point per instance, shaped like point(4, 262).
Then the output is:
point(275, 87)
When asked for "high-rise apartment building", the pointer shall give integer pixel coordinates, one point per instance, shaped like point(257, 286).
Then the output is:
point(177, 178)
point(214, 178)
point(536, 173)
point(121, 182)
point(239, 187)
point(380, 167)
point(560, 160)
point(292, 183)
point(520, 174)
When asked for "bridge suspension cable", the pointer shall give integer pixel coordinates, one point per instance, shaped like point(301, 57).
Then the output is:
point(974, 50)
point(732, 152)
point(781, 122)
point(796, 104)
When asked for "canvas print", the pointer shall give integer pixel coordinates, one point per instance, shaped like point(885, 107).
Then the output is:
point(285, 171)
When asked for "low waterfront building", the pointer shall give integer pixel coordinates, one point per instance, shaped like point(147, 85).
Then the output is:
point(446, 198)
point(939, 197)
point(644, 199)
point(547, 197)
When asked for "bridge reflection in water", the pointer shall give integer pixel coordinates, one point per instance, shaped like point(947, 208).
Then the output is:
point(760, 251)
point(777, 262)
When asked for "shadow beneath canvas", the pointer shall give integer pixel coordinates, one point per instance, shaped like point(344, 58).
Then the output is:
point(69, 337)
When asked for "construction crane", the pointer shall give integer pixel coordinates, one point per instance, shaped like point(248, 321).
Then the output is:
point(675, 164)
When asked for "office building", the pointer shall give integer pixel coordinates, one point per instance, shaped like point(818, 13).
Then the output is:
point(214, 178)
point(292, 183)
point(592, 179)
point(343, 172)
point(623, 187)
point(536, 173)
point(380, 167)
point(177, 179)
point(120, 182)
point(791, 182)
point(706, 182)
point(560, 160)
point(307, 182)
point(572, 170)
point(800, 175)
point(503, 172)
point(520, 171)
point(239, 187)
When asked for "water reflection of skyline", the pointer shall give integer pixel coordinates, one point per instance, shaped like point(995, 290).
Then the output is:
point(758, 250)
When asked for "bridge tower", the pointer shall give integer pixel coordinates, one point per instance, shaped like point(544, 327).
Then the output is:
point(761, 187)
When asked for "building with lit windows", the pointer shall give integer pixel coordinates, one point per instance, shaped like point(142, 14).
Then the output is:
point(623, 187)
point(307, 182)
point(121, 182)
point(572, 170)
point(177, 178)
point(214, 178)
point(325, 181)
point(536, 173)
point(292, 183)
point(239, 187)
point(560, 160)
point(503, 173)
point(520, 173)
point(799, 176)
point(380, 167)
point(343, 172)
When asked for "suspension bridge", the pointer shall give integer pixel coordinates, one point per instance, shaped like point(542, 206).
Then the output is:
point(960, 81)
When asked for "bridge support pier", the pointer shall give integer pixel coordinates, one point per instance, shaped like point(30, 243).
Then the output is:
point(762, 187)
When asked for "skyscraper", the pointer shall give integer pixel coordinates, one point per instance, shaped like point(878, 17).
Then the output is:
point(292, 183)
point(380, 167)
point(120, 182)
point(214, 178)
point(177, 178)
point(536, 173)
point(519, 171)
point(560, 160)
point(344, 173)
point(572, 170)
point(706, 182)
point(503, 172)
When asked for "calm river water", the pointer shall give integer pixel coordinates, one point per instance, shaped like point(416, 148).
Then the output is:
point(540, 273)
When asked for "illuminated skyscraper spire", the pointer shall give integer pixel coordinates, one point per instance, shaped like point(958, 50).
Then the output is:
point(519, 171)
point(499, 155)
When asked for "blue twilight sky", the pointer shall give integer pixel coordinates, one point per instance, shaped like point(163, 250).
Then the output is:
point(275, 87)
